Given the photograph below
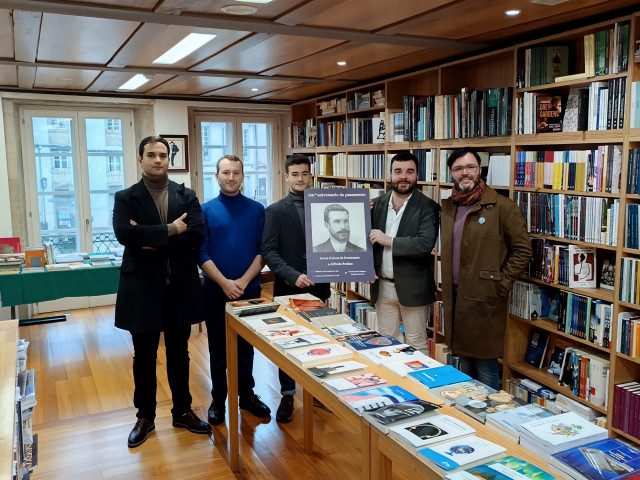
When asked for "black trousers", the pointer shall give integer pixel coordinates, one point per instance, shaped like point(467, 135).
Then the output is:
point(214, 302)
point(145, 348)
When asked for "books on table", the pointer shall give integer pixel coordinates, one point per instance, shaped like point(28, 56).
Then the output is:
point(355, 383)
point(461, 391)
point(376, 398)
point(505, 468)
point(419, 361)
point(371, 342)
point(267, 320)
point(334, 370)
point(399, 413)
point(355, 337)
point(438, 376)
point(319, 354)
point(560, 432)
point(254, 306)
point(346, 329)
point(508, 422)
point(299, 342)
point(606, 459)
point(379, 356)
point(430, 431)
point(274, 334)
point(479, 408)
point(460, 453)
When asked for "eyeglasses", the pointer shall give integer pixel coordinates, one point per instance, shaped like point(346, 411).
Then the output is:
point(468, 168)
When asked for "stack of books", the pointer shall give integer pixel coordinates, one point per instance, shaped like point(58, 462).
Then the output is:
point(557, 433)
point(508, 422)
point(398, 414)
point(430, 431)
point(254, 306)
point(505, 468)
point(460, 454)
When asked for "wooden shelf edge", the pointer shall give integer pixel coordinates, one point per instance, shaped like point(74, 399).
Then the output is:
point(597, 293)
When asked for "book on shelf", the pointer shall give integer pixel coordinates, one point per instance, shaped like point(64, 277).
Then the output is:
point(335, 370)
point(505, 468)
point(548, 113)
point(608, 274)
point(355, 383)
point(559, 432)
point(480, 407)
point(462, 392)
point(253, 306)
point(460, 454)
point(273, 334)
point(605, 459)
point(267, 320)
point(376, 398)
point(536, 348)
point(507, 422)
point(582, 267)
point(626, 411)
point(317, 355)
point(10, 245)
point(34, 257)
point(438, 376)
point(401, 413)
point(420, 361)
point(299, 342)
point(431, 430)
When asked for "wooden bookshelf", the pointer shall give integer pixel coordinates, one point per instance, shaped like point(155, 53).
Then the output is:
point(500, 69)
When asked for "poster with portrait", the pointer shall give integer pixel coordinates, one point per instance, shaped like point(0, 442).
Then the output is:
point(178, 152)
point(338, 222)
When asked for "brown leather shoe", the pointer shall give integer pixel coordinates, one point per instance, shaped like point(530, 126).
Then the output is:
point(139, 433)
point(191, 422)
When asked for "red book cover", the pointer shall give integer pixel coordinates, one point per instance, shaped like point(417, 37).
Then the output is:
point(10, 245)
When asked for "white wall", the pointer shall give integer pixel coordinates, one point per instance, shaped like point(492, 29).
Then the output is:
point(5, 210)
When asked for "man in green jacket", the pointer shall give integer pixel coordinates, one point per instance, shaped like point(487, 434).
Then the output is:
point(485, 248)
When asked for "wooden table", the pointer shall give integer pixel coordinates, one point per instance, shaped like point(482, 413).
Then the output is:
point(8, 357)
point(379, 451)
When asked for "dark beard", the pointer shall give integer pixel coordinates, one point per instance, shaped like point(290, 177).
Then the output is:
point(462, 189)
point(409, 190)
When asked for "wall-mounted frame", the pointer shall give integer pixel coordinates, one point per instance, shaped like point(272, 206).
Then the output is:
point(178, 152)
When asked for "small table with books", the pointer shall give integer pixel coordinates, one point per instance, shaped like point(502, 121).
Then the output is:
point(380, 451)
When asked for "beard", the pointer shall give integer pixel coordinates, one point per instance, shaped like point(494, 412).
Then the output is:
point(404, 189)
point(463, 188)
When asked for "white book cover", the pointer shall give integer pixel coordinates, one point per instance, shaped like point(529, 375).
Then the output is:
point(299, 342)
point(582, 267)
point(563, 431)
point(273, 334)
point(402, 352)
point(267, 320)
point(355, 383)
point(317, 355)
point(461, 453)
point(419, 361)
point(430, 431)
point(346, 329)
point(334, 370)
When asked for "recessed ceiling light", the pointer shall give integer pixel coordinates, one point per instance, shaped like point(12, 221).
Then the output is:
point(254, 89)
point(512, 13)
point(135, 82)
point(239, 9)
point(184, 47)
point(342, 63)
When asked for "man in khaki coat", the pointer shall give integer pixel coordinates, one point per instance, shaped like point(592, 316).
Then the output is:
point(485, 248)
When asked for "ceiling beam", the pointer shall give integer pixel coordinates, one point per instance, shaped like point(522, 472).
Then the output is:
point(169, 71)
point(230, 22)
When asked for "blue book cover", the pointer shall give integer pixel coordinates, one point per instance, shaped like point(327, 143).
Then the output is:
point(373, 342)
point(602, 460)
point(377, 397)
point(505, 468)
point(438, 376)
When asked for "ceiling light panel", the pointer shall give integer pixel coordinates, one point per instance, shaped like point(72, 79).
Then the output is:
point(186, 46)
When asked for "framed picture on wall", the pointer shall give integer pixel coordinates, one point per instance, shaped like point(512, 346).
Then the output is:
point(178, 152)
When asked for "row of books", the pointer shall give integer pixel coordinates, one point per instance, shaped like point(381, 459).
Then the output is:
point(628, 341)
point(634, 111)
point(541, 65)
point(26, 442)
point(331, 164)
point(573, 217)
point(633, 171)
point(626, 411)
point(364, 100)
point(334, 105)
point(352, 131)
point(630, 280)
point(595, 170)
point(365, 165)
point(302, 134)
point(632, 229)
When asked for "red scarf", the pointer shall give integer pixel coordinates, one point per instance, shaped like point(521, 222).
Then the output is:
point(469, 198)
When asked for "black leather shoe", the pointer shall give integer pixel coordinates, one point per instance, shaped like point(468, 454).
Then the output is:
point(191, 422)
point(255, 405)
point(216, 412)
point(284, 414)
point(318, 404)
point(139, 433)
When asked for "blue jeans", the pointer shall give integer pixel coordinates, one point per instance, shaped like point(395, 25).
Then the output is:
point(485, 370)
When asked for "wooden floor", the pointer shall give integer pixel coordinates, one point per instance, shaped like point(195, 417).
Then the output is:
point(85, 412)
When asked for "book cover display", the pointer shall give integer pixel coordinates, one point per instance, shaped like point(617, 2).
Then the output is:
point(582, 267)
point(479, 408)
point(317, 355)
point(461, 453)
point(420, 361)
point(379, 356)
point(355, 383)
point(267, 320)
point(273, 334)
point(376, 398)
point(508, 421)
point(372, 342)
point(461, 392)
point(505, 468)
point(438, 376)
point(430, 431)
point(549, 113)
point(399, 413)
point(254, 306)
point(299, 342)
point(538, 342)
point(334, 370)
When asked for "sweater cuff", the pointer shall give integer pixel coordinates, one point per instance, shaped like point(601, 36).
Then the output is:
point(173, 230)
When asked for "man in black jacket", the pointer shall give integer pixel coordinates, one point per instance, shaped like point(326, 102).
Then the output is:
point(284, 251)
point(161, 227)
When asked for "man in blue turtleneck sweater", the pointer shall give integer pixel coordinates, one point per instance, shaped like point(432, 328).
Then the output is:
point(231, 262)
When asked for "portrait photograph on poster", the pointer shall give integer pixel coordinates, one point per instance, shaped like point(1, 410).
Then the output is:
point(338, 222)
point(178, 152)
